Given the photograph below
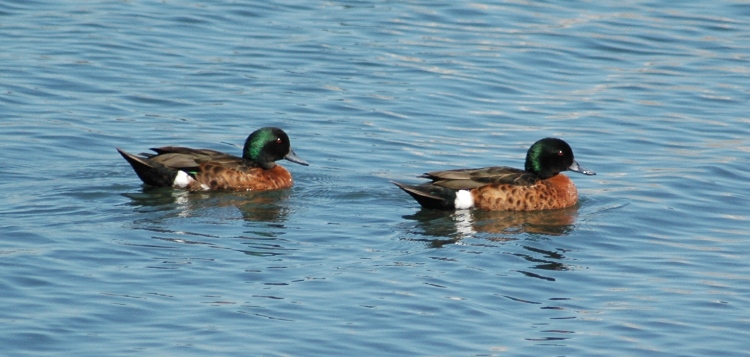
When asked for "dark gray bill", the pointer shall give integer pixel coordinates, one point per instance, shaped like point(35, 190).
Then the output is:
point(291, 156)
point(577, 168)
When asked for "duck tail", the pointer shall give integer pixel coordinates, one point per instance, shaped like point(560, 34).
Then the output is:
point(150, 172)
point(431, 196)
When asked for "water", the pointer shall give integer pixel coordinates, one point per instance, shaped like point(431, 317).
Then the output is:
point(650, 95)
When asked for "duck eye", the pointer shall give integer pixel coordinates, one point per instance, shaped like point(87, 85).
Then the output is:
point(560, 153)
point(279, 141)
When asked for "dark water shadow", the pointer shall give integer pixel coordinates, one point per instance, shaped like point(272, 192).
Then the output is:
point(266, 206)
point(438, 228)
point(177, 218)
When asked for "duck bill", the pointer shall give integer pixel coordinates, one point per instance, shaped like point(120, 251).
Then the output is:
point(291, 156)
point(577, 168)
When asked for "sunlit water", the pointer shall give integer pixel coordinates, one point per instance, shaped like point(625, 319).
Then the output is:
point(651, 95)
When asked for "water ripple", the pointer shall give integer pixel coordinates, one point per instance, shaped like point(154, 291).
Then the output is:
point(649, 94)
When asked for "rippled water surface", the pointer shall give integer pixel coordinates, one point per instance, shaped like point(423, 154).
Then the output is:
point(653, 95)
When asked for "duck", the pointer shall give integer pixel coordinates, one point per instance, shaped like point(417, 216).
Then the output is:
point(210, 170)
point(539, 186)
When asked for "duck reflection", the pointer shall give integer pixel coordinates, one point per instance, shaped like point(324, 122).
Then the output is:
point(161, 211)
point(448, 227)
point(264, 206)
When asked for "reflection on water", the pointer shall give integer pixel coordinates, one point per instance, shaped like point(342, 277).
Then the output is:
point(447, 227)
point(263, 206)
point(549, 260)
point(170, 215)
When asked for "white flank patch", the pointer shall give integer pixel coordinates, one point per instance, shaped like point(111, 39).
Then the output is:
point(463, 200)
point(182, 179)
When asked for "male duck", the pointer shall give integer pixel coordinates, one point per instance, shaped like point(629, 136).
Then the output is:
point(539, 187)
point(203, 169)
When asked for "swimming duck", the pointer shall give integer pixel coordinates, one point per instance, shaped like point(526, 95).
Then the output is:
point(203, 169)
point(540, 186)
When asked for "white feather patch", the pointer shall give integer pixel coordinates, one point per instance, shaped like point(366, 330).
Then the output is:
point(463, 200)
point(182, 179)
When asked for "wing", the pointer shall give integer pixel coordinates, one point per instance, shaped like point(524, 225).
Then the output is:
point(183, 158)
point(466, 179)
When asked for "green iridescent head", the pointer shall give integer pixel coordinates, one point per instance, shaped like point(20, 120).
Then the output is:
point(267, 145)
point(549, 156)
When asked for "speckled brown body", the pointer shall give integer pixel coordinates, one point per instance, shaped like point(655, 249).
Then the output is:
point(206, 169)
point(552, 193)
point(539, 186)
point(218, 177)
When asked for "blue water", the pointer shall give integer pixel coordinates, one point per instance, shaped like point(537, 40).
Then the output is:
point(652, 95)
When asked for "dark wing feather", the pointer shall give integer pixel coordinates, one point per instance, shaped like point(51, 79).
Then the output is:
point(466, 179)
point(183, 158)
